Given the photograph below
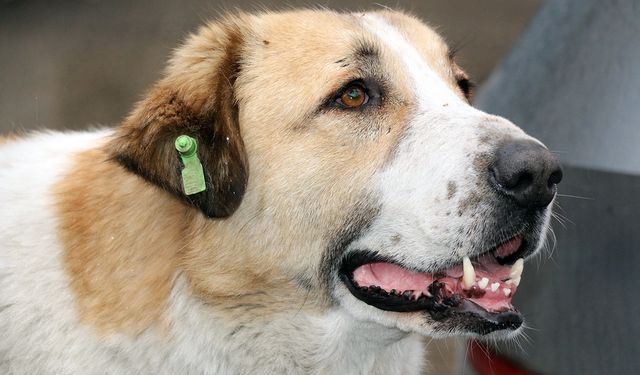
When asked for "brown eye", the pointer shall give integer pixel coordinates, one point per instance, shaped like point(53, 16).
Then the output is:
point(353, 96)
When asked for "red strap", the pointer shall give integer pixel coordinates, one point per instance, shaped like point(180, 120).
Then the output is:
point(487, 362)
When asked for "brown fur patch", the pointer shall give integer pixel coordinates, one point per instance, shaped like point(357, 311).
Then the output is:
point(196, 98)
point(471, 201)
point(121, 238)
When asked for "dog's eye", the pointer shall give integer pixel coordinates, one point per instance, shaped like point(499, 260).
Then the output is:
point(354, 96)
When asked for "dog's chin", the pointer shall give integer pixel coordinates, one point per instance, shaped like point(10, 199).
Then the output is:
point(444, 301)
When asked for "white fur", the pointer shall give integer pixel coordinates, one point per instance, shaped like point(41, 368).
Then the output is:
point(431, 90)
point(41, 333)
point(440, 144)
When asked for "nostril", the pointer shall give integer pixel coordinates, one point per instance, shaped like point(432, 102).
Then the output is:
point(526, 172)
point(522, 180)
point(512, 180)
point(555, 178)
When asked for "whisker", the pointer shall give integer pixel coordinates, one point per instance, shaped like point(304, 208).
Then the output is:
point(559, 219)
point(574, 196)
point(565, 218)
point(558, 152)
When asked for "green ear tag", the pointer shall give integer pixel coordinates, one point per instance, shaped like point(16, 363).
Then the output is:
point(192, 174)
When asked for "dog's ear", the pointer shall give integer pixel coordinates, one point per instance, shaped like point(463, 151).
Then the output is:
point(195, 98)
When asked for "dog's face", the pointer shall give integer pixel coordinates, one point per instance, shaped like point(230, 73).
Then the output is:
point(342, 157)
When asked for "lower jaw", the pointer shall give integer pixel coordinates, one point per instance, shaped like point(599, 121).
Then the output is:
point(451, 310)
point(474, 319)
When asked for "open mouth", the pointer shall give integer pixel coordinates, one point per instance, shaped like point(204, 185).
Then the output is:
point(480, 287)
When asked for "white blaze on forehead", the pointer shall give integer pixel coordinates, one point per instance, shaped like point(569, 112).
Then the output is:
point(430, 89)
point(437, 148)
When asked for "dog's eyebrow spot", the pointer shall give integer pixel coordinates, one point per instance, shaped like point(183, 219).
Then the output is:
point(452, 187)
point(365, 50)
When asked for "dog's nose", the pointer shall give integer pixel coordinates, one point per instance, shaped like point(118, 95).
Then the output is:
point(527, 172)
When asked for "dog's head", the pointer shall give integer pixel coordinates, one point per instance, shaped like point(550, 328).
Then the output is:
point(342, 156)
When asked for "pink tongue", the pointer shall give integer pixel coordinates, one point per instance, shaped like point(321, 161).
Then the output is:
point(390, 276)
point(509, 247)
point(493, 297)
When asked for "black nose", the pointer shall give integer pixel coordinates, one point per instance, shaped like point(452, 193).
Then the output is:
point(527, 172)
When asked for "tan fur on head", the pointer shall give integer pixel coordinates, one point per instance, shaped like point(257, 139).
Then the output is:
point(310, 174)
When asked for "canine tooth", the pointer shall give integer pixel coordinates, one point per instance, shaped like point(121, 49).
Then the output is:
point(483, 283)
point(514, 282)
point(495, 286)
point(469, 274)
point(506, 291)
point(516, 269)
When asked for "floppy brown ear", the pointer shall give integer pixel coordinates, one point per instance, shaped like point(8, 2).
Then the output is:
point(196, 98)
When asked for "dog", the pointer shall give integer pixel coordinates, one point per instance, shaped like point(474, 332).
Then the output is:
point(303, 192)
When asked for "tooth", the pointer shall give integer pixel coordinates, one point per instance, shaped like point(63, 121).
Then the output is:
point(495, 286)
point(516, 269)
point(506, 291)
point(483, 283)
point(514, 282)
point(469, 274)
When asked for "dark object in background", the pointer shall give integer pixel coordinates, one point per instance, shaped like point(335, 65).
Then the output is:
point(573, 81)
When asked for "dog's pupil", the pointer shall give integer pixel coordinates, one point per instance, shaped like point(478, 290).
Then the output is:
point(354, 93)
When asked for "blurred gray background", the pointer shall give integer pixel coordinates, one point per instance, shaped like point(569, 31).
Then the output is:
point(70, 64)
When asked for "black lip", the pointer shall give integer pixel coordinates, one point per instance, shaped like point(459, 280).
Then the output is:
point(441, 305)
point(383, 300)
point(375, 296)
point(484, 322)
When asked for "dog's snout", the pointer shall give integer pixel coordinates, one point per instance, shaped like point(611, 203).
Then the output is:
point(527, 172)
